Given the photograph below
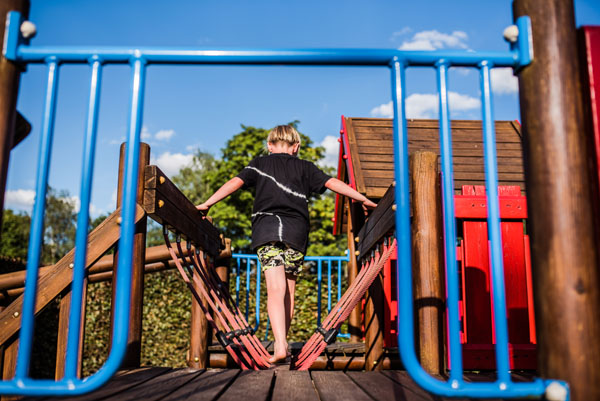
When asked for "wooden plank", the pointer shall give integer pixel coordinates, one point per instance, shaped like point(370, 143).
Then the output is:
point(378, 224)
point(402, 378)
point(122, 383)
point(381, 387)
point(100, 240)
point(177, 211)
point(159, 386)
point(255, 383)
point(293, 385)
point(354, 151)
point(205, 387)
point(336, 386)
point(433, 135)
point(63, 331)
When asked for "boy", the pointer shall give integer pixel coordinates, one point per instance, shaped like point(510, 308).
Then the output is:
point(280, 220)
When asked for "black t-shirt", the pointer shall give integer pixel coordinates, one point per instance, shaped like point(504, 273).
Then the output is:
point(283, 184)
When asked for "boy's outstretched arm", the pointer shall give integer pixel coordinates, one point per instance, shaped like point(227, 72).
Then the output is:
point(344, 189)
point(226, 189)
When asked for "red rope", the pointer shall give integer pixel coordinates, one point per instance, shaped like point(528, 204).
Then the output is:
point(316, 344)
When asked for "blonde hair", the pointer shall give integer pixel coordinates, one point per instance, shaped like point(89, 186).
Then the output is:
point(284, 133)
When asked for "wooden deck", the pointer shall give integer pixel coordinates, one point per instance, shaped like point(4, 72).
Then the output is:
point(278, 384)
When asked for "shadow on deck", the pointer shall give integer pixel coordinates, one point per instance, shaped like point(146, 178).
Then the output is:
point(278, 384)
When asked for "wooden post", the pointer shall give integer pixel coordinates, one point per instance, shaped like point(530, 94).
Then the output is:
point(9, 88)
point(374, 325)
point(134, 342)
point(355, 320)
point(428, 276)
point(560, 189)
point(9, 365)
point(199, 330)
point(63, 330)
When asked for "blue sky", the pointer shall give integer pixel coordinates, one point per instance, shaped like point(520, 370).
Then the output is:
point(201, 107)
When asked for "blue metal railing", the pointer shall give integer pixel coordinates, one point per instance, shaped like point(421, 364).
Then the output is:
point(519, 55)
point(248, 270)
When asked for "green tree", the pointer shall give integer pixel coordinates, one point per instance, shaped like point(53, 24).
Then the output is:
point(15, 235)
point(59, 225)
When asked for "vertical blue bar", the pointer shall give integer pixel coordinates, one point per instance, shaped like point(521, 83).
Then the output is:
point(339, 280)
point(491, 183)
point(82, 224)
point(319, 283)
point(328, 285)
point(37, 224)
point(449, 224)
point(247, 287)
point(257, 306)
point(237, 282)
point(132, 151)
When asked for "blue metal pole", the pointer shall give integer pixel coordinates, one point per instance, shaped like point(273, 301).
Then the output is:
point(491, 182)
point(237, 282)
point(132, 150)
point(257, 306)
point(71, 359)
point(319, 283)
point(456, 368)
point(37, 224)
point(328, 285)
point(339, 280)
point(247, 287)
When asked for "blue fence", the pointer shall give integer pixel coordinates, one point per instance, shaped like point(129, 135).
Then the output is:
point(397, 61)
point(249, 290)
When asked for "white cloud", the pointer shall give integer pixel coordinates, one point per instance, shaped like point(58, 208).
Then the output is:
point(19, 199)
point(332, 151)
point(431, 40)
point(171, 163)
point(425, 105)
point(503, 81)
point(145, 134)
point(23, 199)
point(164, 134)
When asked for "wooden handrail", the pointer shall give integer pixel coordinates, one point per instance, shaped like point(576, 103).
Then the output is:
point(51, 284)
point(379, 223)
point(166, 204)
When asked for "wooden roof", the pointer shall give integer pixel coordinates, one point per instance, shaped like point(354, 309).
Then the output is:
point(367, 159)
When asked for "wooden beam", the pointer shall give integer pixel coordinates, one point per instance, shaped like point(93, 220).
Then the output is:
point(355, 319)
point(9, 88)
point(100, 240)
point(427, 266)
point(134, 339)
point(63, 330)
point(165, 203)
point(380, 222)
point(199, 334)
point(561, 193)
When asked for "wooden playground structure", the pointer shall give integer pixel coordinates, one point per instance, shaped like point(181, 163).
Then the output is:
point(548, 170)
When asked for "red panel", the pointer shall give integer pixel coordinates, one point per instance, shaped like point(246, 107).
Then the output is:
point(592, 54)
point(476, 304)
point(475, 207)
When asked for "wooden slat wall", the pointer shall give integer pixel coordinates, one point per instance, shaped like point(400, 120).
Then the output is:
point(373, 141)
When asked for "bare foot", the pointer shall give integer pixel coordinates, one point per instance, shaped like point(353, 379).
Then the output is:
point(280, 353)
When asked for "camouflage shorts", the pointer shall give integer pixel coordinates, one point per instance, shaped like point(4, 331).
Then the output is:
point(279, 254)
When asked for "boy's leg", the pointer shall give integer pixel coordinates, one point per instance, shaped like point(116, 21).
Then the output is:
point(276, 307)
point(289, 300)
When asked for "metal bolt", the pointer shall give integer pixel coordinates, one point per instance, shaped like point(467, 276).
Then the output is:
point(119, 220)
point(16, 314)
point(356, 239)
point(393, 183)
point(357, 253)
point(71, 265)
point(28, 29)
point(161, 203)
point(511, 33)
point(556, 392)
point(162, 179)
point(394, 208)
point(196, 359)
